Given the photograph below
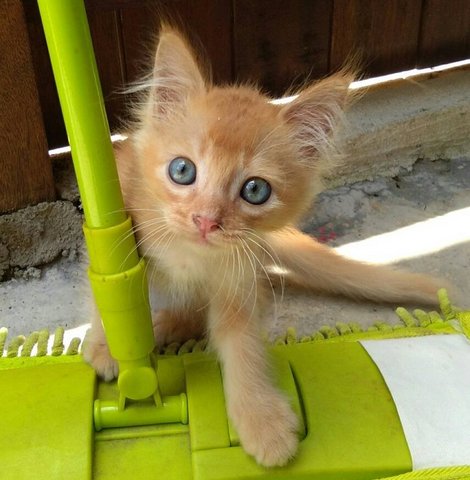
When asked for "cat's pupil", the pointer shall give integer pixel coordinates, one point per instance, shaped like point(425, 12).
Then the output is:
point(256, 191)
point(182, 171)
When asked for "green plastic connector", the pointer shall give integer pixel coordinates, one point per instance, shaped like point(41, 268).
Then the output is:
point(111, 249)
point(120, 288)
point(108, 414)
point(122, 300)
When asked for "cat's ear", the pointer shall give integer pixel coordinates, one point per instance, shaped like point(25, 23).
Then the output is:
point(176, 74)
point(317, 109)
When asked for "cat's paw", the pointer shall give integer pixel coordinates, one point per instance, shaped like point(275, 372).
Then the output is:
point(98, 356)
point(268, 430)
point(169, 328)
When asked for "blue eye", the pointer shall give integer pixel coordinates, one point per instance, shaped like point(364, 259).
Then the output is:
point(182, 171)
point(256, 191)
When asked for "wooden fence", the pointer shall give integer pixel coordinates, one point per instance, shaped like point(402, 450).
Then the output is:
point(277, 43)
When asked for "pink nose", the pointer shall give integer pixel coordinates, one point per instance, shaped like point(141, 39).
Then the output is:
point(205, 225)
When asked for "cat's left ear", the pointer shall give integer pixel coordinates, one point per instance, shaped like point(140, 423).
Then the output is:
point(315, 112)
point(176, 74)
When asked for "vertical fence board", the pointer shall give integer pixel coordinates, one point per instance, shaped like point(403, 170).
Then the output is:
point(105, 31)
point(25, 169)
point(383, 33)
point(207, 22)
point(211, 22)
point(138, 33)
point(279, 44)
point(445, 32)
point(53, 121)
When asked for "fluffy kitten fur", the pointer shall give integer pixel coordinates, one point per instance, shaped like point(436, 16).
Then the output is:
point(212, 279)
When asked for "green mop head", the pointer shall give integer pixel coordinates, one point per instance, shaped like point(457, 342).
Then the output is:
point(351, 427)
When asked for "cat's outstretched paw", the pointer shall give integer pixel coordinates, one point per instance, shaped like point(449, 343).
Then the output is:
point(268, 431)
point(97, 354)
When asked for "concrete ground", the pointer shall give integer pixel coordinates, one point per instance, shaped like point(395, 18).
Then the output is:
point(419, 219)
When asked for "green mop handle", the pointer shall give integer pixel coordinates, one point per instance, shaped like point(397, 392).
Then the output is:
point(116, 272)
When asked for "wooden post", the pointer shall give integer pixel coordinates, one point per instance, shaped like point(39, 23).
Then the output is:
point(25, 168)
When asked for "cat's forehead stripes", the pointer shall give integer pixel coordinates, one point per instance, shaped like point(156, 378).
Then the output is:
point(236, 118)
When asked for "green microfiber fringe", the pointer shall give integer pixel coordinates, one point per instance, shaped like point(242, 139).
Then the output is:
point(3, 338)
point(444, 473)
point(412, 324)
point(190, 346)
point(58, 345)
point(74, 346)
point(14, 346)
point(21, 346)
point(29, 343)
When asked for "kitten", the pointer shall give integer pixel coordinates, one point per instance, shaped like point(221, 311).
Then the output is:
point(215, 179)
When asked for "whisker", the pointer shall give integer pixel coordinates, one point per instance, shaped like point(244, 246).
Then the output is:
point(169, 236)
point(232, 293)
point(150, 275)
point(136, 229)
point(155, 244)
point(270, 252)
point(221, 283)
point(254, 284)
point(267, 276)
point(142, 240)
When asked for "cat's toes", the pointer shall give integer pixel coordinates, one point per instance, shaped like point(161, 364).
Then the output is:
point(98, 356)
point(269, 432)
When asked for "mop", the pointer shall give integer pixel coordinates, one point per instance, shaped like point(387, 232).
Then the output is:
point(165, 416)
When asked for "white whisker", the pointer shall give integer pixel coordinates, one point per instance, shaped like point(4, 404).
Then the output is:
point(270, 252)
point(266, 275)
point(142, 240)
point(248, 251)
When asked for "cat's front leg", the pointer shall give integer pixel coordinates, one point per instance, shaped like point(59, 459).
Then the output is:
point(96, 351)
point(262, 415)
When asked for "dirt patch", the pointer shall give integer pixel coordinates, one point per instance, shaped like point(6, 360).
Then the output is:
point(37, 235)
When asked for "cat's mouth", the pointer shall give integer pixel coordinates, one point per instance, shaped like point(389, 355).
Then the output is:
point(216, 239)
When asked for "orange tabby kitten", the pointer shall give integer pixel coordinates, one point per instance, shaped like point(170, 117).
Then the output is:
point(215, 178)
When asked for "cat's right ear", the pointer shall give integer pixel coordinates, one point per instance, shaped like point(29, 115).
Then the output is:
point(313, 115)
point(176, 74)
